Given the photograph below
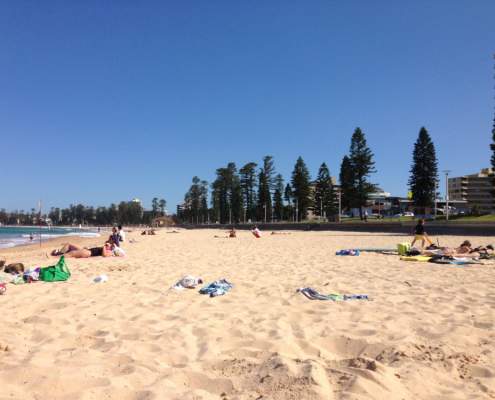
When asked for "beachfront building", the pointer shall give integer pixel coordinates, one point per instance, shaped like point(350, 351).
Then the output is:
point(475, 189)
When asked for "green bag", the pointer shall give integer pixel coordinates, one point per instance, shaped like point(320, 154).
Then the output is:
point(58, 272)
point(403, 248)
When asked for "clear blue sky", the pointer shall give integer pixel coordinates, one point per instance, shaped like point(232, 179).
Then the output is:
point(102, 101)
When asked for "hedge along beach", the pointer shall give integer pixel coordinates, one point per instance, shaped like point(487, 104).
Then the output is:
point(426, 332)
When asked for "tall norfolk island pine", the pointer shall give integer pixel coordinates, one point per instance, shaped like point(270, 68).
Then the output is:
point(362, 165)
point(324, 197)
point(301, 188)
point(424, 171)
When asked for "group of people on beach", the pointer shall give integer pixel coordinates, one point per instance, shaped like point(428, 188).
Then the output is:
point(112, 247)
point(464, 250)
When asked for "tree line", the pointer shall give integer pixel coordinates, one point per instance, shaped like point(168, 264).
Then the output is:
point(255, 192)
point(125, 212)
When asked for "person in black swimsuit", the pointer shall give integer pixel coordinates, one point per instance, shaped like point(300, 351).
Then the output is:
point(74, 251)
point(420, 234)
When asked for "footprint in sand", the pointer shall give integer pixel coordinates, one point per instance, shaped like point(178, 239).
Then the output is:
point(37, 320)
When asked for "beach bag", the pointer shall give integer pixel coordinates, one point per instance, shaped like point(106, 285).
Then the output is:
point(58, 272)
point(403, 248)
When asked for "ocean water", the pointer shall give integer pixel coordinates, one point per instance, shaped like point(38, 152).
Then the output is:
point(18, 236)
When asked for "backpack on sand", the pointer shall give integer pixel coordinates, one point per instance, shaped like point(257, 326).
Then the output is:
point(58, 272)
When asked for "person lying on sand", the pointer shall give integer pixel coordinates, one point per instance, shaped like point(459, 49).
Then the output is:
point(280, 233)
point(148, 232)
point(464, 250)
point(74, 251)
point(230, 234)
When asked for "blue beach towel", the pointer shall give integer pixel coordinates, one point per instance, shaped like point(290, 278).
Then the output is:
point(312, 294)
point(347, 252)
point(216, 288)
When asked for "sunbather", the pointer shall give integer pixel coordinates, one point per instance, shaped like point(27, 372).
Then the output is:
point(74, 251)
point(230, 234)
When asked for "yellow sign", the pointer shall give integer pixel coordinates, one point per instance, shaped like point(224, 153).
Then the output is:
point(409, 195)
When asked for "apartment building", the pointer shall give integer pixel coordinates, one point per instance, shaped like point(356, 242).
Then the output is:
point(476, 190)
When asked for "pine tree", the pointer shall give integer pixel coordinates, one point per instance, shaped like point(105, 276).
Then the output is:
point(204, 201)
point(424, 171)
point(161, 205)
point(324, 195)
point(154, 206)
point(346, 179)
point(235, 194)
point(278, 202)
point(362, 165)
point(264, 197)
point(301, 188)
point(219, 195)
point(288, 197)
point(248, 187)
point(269, 171)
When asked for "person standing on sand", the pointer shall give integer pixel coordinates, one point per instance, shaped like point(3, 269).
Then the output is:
point(420, 234)
point(121, 234)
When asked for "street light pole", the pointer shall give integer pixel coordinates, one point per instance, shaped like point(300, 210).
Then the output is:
point(435, 203)
point(340, 204)
point(447, 194)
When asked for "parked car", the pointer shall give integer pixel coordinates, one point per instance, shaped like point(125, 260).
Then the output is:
point(408, 214)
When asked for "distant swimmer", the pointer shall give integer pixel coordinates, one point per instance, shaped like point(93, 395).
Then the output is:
point(31, 237)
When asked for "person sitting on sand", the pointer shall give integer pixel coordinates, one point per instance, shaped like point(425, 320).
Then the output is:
point(114, 237)
point(256, 232)
point(420, 234)
point(73, 251)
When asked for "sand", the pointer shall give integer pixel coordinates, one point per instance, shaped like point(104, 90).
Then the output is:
point(428, 332)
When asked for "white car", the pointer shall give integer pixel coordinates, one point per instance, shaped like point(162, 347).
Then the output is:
point(408, 214)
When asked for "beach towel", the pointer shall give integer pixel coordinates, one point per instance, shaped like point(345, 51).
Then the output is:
point(377, 250)
point(452, 260)
point(347, 252)
point(312, 294)
point(416, 258)
point(187, 282)
point(216, 288)
point(54, 273)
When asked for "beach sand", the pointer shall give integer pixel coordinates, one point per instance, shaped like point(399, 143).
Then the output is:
point(428, 332)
